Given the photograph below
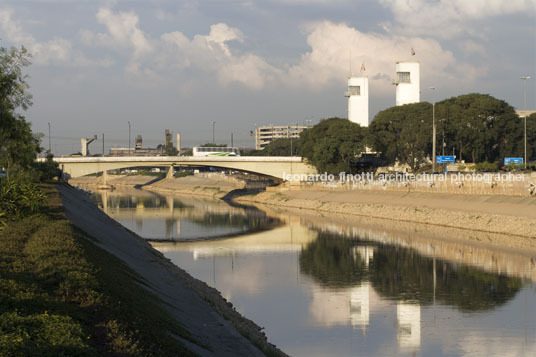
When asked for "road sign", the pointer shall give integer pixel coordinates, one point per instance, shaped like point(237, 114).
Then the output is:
point(445, 159)
point(513, 161)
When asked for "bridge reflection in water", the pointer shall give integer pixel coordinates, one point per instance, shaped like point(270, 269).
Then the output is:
point(184, 217)
point(404, 293)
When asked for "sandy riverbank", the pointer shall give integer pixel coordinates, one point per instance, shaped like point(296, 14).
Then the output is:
point(211, 185)
point(200, 309)
point(513, 216)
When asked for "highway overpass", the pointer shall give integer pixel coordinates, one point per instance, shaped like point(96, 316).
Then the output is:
point(274, 166)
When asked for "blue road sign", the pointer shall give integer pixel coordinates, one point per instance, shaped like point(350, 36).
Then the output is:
point(445, 159)
point(513, 161)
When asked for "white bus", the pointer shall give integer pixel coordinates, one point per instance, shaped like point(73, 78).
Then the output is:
point(215, 151)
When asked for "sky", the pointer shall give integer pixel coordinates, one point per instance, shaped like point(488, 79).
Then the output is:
point(183, 65)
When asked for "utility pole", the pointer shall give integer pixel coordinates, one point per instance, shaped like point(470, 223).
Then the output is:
point(213, 141)
point(129, 138)
point(102, 144)
point(232, 144)
point(525, 141)
point(433, 136)
point(291, 146)
point(49, 145)
point(524, 79)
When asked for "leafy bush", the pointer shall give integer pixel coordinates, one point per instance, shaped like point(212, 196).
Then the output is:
point(3, 222)
point(183, 173)
point(46, 170)
point(486, 166)
point(513, 167)
point(19, 197)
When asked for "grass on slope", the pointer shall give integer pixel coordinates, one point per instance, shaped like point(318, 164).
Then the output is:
point(62, 295)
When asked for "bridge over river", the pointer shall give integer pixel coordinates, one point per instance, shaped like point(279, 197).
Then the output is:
point(274, 166)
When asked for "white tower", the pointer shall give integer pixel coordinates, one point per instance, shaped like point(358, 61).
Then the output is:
point(408, 86)
point(357, 94)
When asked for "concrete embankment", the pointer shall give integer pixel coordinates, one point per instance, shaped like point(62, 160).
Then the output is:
point(210, 319)
point(514, 216)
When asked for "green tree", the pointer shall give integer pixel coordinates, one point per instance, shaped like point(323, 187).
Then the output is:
point(531, 137)
point(18, 145)
point(278, 147)
point(480, 127)
point(170, 150)
point(403, 133)
point(333, 145)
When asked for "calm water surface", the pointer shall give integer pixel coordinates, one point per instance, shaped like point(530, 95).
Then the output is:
point(325, 289)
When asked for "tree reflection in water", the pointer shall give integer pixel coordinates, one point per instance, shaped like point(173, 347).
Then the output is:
point(401, 273)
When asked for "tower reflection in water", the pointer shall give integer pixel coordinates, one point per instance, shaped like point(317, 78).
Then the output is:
point(408, 317)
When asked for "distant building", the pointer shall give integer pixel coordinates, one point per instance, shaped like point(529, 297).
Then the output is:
point(138, 151)
point(358, 100)
point(525, 113)
point(408, 87)
point(169, 140)
point(139, 142)
point(264, 135)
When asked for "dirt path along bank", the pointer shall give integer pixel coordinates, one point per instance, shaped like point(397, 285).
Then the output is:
point(514, 216)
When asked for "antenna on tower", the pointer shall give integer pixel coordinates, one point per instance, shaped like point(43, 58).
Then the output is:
point(351, 74)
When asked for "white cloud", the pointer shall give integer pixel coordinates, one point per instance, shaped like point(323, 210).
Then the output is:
point(249, 70)
point(123, 33)
point(174, 51)
point(450, 18)
point(332, 44)
point(55, 51)
point(472, 47)
point(173, 54)
point(220, 34)
point(211, 53)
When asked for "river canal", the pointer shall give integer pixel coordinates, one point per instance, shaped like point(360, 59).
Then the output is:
point(326, 287)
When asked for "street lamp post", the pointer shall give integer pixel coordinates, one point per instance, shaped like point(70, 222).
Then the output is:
point(213, 142)
point(525, 141)
point(433, 136)
point(524, 79)
point(49, 145)
point(129, 138)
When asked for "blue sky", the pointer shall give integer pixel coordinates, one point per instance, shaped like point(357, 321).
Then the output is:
point(181, 65)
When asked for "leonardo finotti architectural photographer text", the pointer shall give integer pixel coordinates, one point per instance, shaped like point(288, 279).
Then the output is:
point(401, 177)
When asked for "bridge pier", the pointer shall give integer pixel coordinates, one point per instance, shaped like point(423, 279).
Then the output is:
point(104, 185)
point(169, 174)
point(170, 203)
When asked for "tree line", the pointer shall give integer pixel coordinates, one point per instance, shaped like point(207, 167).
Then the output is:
point(474, 127)
point(19, 146)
